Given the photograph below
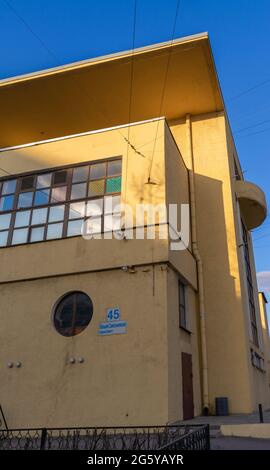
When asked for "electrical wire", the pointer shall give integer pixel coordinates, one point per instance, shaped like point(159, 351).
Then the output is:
point(249, 90)
point(262, 236)
point(164, 86)
point(131, 90)
point(253, 133)
point(82, 90)
point(252, 126)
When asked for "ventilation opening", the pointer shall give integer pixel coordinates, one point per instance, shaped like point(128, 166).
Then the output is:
point(27, 183)
point(60, 177)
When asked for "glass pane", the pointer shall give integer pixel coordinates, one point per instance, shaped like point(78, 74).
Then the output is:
point(94, 207)
point(39, 216)
point(56, 213)
point(76, 210)
point(74, 227)
point(182, 317)
point(44, 181)
point(80, 174)
point(6, 203)
point(113, 185)
point(84, 310)
point(114, 168)
point(3, 238)
point(78, 191)
point(37, 234)
point(96, 188)
point(54, 231)
point(42, 197)
point(64, 315)
point(25, 199)
point(92, 225)
point(97, 171)
point(112, 222)
point(111, 202)
point(4, 221)
point(22, 219)
point(19, 236)
point(9, 187)
point(59, 194)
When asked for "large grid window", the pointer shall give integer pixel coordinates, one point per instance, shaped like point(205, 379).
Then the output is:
point(251, 296)
point(54, 204)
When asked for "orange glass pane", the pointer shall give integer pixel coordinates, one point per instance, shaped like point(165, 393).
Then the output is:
point(96, 188)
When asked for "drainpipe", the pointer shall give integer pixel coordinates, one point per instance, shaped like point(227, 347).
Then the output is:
point(199, 267)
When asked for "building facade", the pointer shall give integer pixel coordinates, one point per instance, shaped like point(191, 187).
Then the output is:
point(104, 331)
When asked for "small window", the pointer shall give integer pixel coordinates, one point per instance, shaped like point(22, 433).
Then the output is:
point(114, 168)
point(5, 221)
point(44, 180)
point(113, 185)
point(3, 238)
point(58, 194)
point(6, 203)
point(80, 174)
point(97, 171)
point(73, 314)
point(25, 199)
point(41, 197)
point(182, 305)
point(78, 191)
point(9, 187)
point(22, 219)
point(96, 188)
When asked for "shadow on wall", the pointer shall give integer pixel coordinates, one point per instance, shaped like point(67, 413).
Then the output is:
point(227, 345)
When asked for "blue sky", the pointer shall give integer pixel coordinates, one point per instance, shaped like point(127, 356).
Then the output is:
point(62, 31)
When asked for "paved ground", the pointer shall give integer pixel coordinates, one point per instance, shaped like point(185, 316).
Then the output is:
point(231, 419)
point(239, 443)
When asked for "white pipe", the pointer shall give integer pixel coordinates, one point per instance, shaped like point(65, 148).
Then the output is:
point(199, 267)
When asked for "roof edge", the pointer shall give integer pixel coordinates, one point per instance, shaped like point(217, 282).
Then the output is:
point(264, 296)
point(104, 58)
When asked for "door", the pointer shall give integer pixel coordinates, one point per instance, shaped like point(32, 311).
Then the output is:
point(187, 386)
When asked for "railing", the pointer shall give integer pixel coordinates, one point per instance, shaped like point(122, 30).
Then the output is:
point(198, 439)
point(3, 422)
point(114, 438)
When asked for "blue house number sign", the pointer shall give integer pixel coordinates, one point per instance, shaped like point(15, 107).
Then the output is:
point(113, 325)
point(113, 314)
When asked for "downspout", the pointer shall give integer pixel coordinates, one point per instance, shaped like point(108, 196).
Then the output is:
point(199, 267)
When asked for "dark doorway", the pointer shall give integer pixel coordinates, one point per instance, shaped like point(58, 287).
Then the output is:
point(187, 386)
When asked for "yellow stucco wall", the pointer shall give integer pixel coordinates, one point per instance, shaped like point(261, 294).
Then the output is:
point(138, 375)
point(228, 352)
point(123, 380)
point(51, 257)
point(180, 341)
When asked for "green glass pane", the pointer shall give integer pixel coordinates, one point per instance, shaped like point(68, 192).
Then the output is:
point(96, 188)
point(113, 185)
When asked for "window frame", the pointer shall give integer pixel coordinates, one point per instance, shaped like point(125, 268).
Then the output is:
point(250, 287)
point(69, 184)
point(73, 327)
point(182, 306)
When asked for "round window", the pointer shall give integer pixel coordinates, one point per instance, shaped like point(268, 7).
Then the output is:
point(73, 313)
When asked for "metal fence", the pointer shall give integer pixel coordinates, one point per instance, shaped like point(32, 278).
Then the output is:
point(115, 438)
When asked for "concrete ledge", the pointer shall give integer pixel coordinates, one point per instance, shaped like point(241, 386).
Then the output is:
point(259, 431)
